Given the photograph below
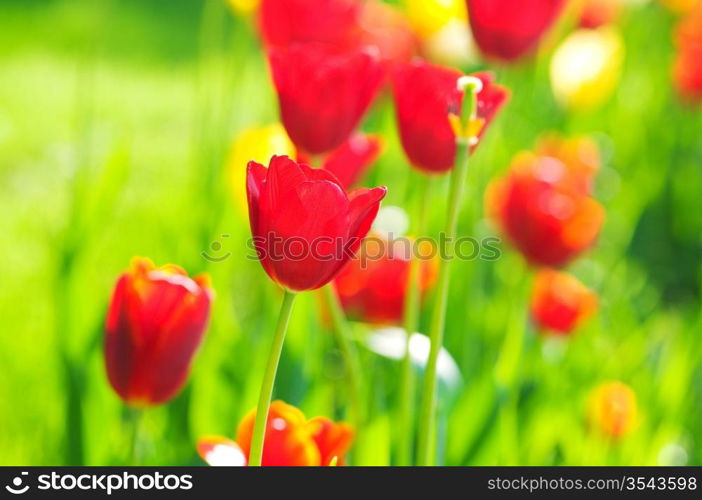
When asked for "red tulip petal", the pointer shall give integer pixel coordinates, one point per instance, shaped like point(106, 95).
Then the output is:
point(333, 439)
point(350, 161)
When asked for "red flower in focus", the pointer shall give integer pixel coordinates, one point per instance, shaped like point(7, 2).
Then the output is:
point(350, 161)
point(372, 287)
point(425, 94)
point(323, 93)
point(305, 226)
point(155, 323)
point(290, 440)
point(543, 210)
point(286, 22)
point(507, 30)
point(560, 302)
point(687, 68)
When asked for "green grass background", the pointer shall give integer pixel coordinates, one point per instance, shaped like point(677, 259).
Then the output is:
point(116, 118)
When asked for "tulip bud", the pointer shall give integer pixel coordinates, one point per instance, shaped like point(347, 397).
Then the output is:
point(155, 323)
point(323, 92)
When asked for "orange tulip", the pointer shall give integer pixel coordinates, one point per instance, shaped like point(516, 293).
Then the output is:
point(612, 409)
point(560, 302)
point(687, 68)
point(290, 440)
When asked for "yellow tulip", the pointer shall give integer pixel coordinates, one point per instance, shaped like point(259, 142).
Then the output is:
point(244, 7)
point(586, 67)
point(257, 144)
point(429, 16)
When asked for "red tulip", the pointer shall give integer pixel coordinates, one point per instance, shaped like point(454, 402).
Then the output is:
point(507, 30)
point(290, 440)
point(425, 94)
point(350, 161)
point(344, 24)
point(687, 68)
point(286, 22)
point(387, 28)
point(323, 93)
point(543, 210)
point(372, 288)
point(560, 303)
point(305, 226)
point(155, 323)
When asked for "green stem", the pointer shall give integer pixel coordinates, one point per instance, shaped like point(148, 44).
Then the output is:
point(350, 356)
point(264, 399)
point(507, 372)
point(427, 416)
point(134, 422)
point(412, 309)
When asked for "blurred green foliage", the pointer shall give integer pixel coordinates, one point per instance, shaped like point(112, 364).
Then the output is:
point(116, 119)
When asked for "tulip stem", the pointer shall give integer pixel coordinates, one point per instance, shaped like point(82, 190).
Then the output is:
point(342, 337)
point(427, 416)
point(264, 399)
point(412, 307)
point(134, 416)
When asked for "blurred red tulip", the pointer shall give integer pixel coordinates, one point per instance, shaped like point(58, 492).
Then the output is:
point(305, 226)
point(372, 287)
point(292, 440)
point(687, 68)
point(425, 94)
point(346, 25)
point(155, 323)
point(596, 13)
point(543, 211)
point(323, 93)
point(349, 162)
point(387, 28)
point(335, 22)
point(507, 30)
point(580, 154)
point(559, 302)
